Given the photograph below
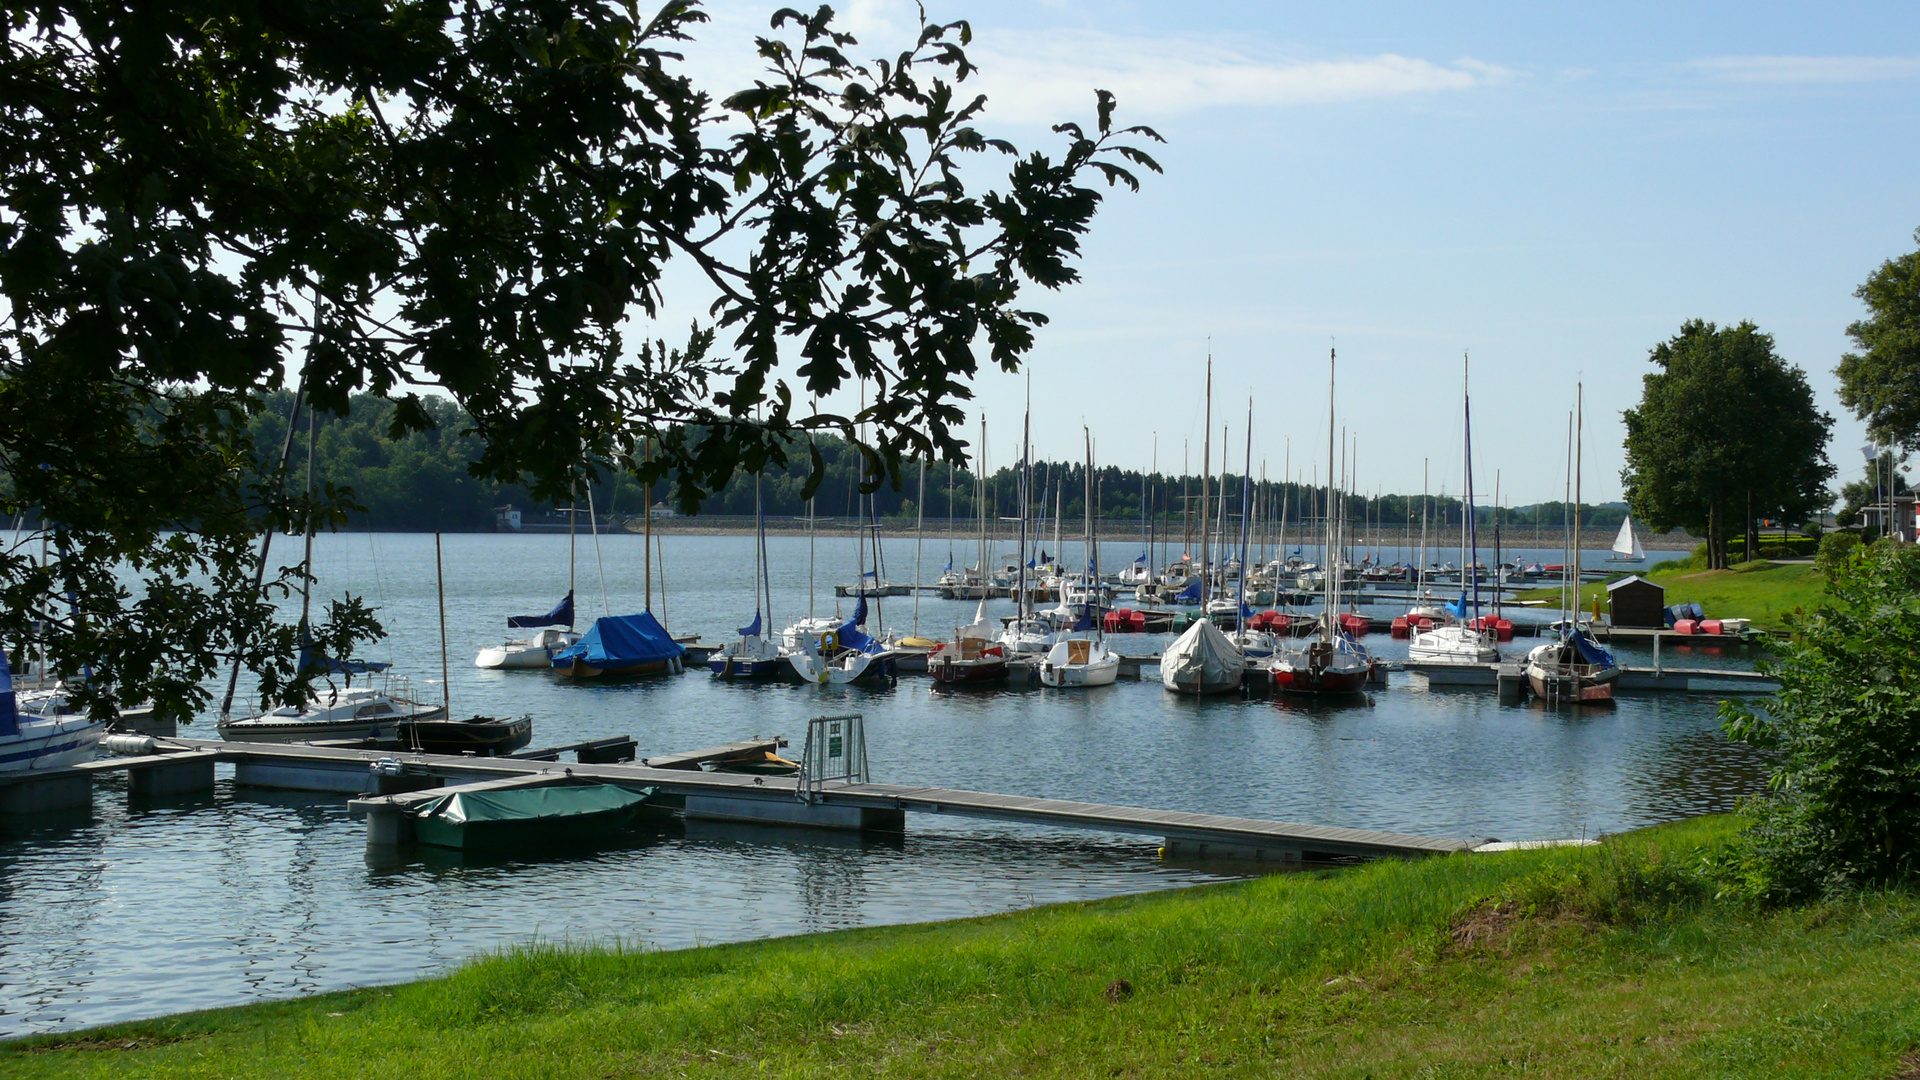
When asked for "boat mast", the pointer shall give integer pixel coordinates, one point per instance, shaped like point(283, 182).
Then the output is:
point(1330, 577)
point(1246, 494)
point(446, 684)
point(1473, 535)
point(646, 559)
point(1206, 467)
point(1579, 437)
point(919, 538)
point(1087, 517)
point(1026, 478)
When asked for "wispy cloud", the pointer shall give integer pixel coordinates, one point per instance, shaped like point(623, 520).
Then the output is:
point(1042, 78)
point(1808, 69)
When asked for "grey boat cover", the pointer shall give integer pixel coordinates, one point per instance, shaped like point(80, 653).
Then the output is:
point(1202, 655)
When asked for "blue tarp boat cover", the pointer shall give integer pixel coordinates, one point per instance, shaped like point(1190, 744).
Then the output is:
point(619, 641)
point(851, 636)
point(1190, 594)
point(1590, 650)
point(561, 615)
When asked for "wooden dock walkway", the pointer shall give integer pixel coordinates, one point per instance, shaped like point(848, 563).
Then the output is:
point(778, 800)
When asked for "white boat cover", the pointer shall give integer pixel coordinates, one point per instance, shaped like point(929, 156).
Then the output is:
point(1202, 655)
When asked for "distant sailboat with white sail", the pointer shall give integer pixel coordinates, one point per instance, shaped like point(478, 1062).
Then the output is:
point(1626, 546)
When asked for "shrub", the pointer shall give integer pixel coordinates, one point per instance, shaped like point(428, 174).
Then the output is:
point(1835, 547)
point(1843, 805)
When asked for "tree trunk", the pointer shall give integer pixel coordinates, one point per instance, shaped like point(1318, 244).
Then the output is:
point(1753, 532)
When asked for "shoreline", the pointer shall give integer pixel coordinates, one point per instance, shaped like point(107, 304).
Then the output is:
point(1541, 955)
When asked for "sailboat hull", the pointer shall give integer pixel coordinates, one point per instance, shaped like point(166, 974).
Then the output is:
point(736, 669)
point(581, 669)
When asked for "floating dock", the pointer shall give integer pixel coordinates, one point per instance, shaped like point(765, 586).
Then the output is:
point(386, 786)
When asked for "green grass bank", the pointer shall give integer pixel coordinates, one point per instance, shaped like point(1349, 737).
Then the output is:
point(1760, 590)
point(1608, 961)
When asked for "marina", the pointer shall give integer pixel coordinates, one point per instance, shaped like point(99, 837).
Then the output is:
point(247, 863)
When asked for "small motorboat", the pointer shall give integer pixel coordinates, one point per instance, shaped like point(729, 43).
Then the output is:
point(481, 736)
point(527, 816)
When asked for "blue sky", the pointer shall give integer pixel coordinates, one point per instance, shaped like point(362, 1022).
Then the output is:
point(1554, 191)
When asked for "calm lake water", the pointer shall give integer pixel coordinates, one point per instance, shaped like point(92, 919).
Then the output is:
point(137, 911)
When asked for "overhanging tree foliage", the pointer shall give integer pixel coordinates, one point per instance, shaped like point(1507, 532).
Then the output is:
point(1881, 382)
point(1726, 433)
point(198, 197)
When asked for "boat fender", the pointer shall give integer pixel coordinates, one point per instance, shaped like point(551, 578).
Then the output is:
point(128, 745)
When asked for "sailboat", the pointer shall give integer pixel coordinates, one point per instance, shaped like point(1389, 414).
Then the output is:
point(1626, 545)
point(1075, 660)
point(1574, 667)
point(755, 657)
point(1202, 660)
point(1461, 641)
point(973, 656)
point(1329, 661)
point(625, 646)
point(342, 711)
point(555, 627)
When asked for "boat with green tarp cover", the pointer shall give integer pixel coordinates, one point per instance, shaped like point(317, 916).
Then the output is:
point(509, 817)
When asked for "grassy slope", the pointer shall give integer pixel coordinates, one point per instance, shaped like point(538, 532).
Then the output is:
point(1393, 969)
point(1761, 591)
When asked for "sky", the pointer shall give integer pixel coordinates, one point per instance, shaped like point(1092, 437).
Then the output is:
point(1548, 190)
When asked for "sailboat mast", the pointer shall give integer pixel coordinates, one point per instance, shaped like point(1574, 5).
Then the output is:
point(919, 539)
point(1330, 576)
point(1026, 478)
point(1206, 468)
point(446, 679)
point(646, 559)
point(1579, 439)
point(1246, 495)
point(1473, 535)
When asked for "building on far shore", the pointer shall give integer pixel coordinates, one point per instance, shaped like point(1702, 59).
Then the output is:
point(1906, 517)
point(660, 511)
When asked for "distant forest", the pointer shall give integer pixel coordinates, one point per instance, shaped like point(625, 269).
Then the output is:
point(421, 483)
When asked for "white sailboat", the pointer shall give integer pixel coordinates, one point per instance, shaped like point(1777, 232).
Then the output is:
point(1626, 546)
point(1075, 660)
point(1203, 660)
point(1461, 641)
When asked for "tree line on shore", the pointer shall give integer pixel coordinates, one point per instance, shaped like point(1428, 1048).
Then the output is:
point(421, 481)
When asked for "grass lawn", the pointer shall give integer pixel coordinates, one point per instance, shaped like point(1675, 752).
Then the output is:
point(1762, 591)
point(1608, 961)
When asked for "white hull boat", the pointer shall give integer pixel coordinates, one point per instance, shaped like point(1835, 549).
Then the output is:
point(531, 654)
point(1078, 662)
point(43, 734)
point(1453, 645)
point(353, 712)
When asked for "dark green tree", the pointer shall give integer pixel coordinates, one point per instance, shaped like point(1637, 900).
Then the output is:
point(1726, 433)
point(1881, 382)
point(1843, 806)
point(201, 201)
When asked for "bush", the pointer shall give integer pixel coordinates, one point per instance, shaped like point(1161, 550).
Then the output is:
point(1835, 547)
point(1843, 806)
point(1774, 547)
